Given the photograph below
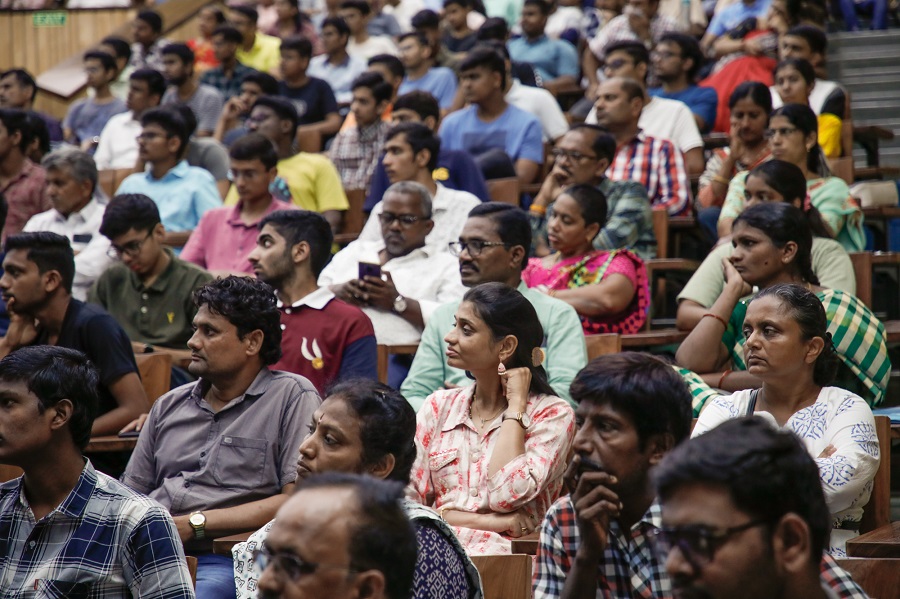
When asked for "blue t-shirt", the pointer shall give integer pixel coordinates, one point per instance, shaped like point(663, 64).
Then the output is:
point(702, 101)
point(313, 101)
point(735, 14)
point(516, 132)
point(440, 82)
point(552, 58)
point(86, 118)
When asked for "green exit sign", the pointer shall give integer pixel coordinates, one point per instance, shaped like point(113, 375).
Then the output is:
point(49, 19)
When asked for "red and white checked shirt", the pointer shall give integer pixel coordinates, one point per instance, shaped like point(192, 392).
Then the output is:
point(657, 165)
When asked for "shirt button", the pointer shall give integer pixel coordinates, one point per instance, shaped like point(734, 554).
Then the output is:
point(202, 454)
point(187, 484)
point(143, 309)
point(473, 492)
point(287, 311)
point(216, 418)
point(144, 296)
point(476, 454)
point(31, 545)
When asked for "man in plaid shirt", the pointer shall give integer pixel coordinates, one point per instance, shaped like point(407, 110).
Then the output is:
point(596, 542)
point(67, 530)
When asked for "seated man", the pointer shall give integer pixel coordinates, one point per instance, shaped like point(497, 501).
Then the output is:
point(228, 75)
point(204, 152)
point(118, 145)
point(336, 66)
point(411, 152)
point(76, 214)
point(676, 60)
point(258, 50)
point(38, 270)
point(493, 247)
point(355, 151)
point(120, 49)
point(357, 14)
point(149, 292)
point(457, 37)
point(505, 140)
point(85, 118)
point(324, 338)
point(555, 60)
point(183, 193)
point(225, 235)
point(421, 72)
point(580, 157)
point(307, 180)
point(22, 181)
point(146, 51)
point(415, 277)
point(18, 90)
point(221, 454)
point(232, 122)
point(313, 98)
point(204, 100)
point(59, 519)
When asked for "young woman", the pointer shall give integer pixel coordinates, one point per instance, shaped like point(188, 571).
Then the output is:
point(772, 243)
point(366, 427)
point(795, 79)
point(787, 347)
point(491, 456)
point(293, 21)
point(608, 289)
point(208, 19)
point(793, 135)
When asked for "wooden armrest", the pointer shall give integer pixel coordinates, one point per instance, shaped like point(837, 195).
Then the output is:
point(223, 545)
point(674, 264)
point(654, 338)
point(527, 544)
point(866, 132)
point(715, 140)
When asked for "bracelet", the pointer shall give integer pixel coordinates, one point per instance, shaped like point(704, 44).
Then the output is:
point(721, 379)
point(721, 179)
point(539, 210)
point(717, 317)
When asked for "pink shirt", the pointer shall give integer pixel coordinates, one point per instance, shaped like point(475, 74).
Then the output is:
point(451, 468)
point(222, 241)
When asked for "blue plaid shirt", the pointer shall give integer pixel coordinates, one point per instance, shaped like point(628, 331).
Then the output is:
point(229, 86)
point(103, 541)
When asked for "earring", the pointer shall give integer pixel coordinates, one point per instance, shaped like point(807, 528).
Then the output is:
point(501, 369)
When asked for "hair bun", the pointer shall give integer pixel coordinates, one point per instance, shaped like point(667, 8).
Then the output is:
point(538, 355)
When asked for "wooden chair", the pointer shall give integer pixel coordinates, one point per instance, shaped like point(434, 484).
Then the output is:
point(842, 167)
point(192, 568)
point(879, 578)
point(504, 190)
point(862, 268)
point(156, 374)
point(384, 354)
point(877, 512)
point(354, 219)
point(603, 344)
point(661, 232)
point(504, 576)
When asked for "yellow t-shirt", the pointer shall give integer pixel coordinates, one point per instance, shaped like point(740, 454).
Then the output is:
point(265, 55)
point(830, 135)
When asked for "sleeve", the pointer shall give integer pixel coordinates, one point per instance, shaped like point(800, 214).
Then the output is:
point(205, 197)
point(701, 393)
point(329, 103)
point(446, 91)
point(717, 25)
point(194, 250)
point(298, 412)
point(553, 121)
point(377, 186)
point(734, 198)
point(109, 348)
point(329, 191)
point(602, 38)
point(71, 118)
point(567, 59)
point(421, 489)
point(140, 473)
point(833, 266)
point(621, 265)
point(674, 188)
point(708, 281)
point(154, 559)
point(621, 228)
point(427, 373)
point(360, 359)
point(686, 130)
point(553, 562)
point(532, 143)
point(246, 572)
point(835, 103)
point(706, 105)
point(103, 155)
point(217, 161)
point(720, 409)
point(92, 261)
point(830, 203)
point(564, 357)
point(210, 111)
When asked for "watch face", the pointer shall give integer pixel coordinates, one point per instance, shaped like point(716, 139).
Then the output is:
point(400, 305)
point(197, 519)
point(526, 420)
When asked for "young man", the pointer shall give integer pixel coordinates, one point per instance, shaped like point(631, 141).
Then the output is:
point(119, 49)
point(226, 77)
point(59, 520)
point(324, 339)
point(357, 14)
point(204, 152)
point(355, 151)
point(313, 98)
point(676, 59)
point(309, 181)
point(37, 286)
point(232, 122)
point(382, 23)
point(336, 66)
point(206, 101)
point(225, 236)
point(76, 214)
point(21, 180)
point(146, 51)
point(489, 128)
point(118, 145)
point(183, 193)
point(149, 292)
point(258, 50)
point(422, 75)
point(85, 119)
point(221, 454)
point(18, 90)
point(457, 37)
point(493, 248)
point(556, 60)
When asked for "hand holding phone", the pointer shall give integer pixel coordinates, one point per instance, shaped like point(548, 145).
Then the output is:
point(367, 269)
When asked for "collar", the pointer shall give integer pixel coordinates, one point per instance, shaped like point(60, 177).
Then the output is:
point(542, 38)
point(651, 520)
point(460, 415)
point(257, 388)
point(234, 216)
point(76, 501)
point(375, 247)
point(179, 171)
point(85, 213)
point(639, 137)
point(316, 300)
point(372, 131)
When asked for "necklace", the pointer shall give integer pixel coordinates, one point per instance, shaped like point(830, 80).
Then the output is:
point(483, 420)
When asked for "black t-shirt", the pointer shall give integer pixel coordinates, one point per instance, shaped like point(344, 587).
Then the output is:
point(313, 101)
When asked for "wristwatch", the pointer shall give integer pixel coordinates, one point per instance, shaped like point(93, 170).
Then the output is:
point(522, 418)
point(198, 522)
point(400, 304)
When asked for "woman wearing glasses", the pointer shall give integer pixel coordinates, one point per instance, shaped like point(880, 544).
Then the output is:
point(491, 456)
point(365, 427)
point(793, 137)
point(608, 288)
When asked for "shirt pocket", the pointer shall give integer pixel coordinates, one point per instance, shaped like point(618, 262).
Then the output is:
point(240, 462)
point(61, 589)
point(445, 471)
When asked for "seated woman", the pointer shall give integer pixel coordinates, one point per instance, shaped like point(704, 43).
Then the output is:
point(491, 456)
point(365, 427)
point(208, 19)
point(773, 181)
point(789, 350)
point(793, 134)
point(795, 79)
point(772, 244)
point(293, 21)
point(608, 289)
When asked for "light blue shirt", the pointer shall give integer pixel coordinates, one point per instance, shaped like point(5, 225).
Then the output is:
point(563, 342)
point(338, 76)
point(183, 194)
point(440, 82)
point(733, 15)
point(515, 132)
point(552, 58)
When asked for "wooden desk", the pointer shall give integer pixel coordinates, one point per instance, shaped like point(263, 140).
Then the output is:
point(892, 331)
point(884, 542)
point(223, 545)
point(653, 338)
point(111, 443)
point(527, 544)
point(881, 212)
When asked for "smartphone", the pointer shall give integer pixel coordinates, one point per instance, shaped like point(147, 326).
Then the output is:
point(130, 434)
point(367, 269)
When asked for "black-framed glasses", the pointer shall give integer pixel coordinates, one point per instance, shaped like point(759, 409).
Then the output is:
point(475, 246)
point(289, 564)
point(407, 220)
point(130, 249)
point(782, 131)
point(616, 64)
point(664, 54)
point(150, 136)
point(573, 155)
point(698, 543)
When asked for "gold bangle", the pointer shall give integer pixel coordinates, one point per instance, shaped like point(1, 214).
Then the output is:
point(721, 179)
point(441, 513)
point(717, 317)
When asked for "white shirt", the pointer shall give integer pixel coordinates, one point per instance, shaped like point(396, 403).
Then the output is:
point(431, 278)
point(376, 44)
point(83, 230)
point(541, 103)
point(817, 97)
point(449, 211)
point(404, 12)
point(663, 118)
point(118, 147)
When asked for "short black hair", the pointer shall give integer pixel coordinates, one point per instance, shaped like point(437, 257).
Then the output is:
point(425, 19)
point(542, 5)
point(642, 386)
point(171, 121)
point(591, 202)
point(121, 47)
point(283, 108)
point(689, 47)
point(54, 373)
point(801, 65)
point(246, 10)
point(23, 78)
point(13, 120)
point(361, 5)
point(339, 24)
point(420, 102)
point(815, 37)
point(50, 251)
point(604, 144)
point(767, 472)
point(267, 83)
point(107, 60)
point(228, 33)
point(37, 130)
point(460, 3)
point(249, 305)
point(486, 58)
point(156, 83)
point(495, 45)
point(129, 211)
point(419, 137)
point(182, 51)
point(298, 44)
point(254, 146)
point(637, 51)
point(381, 90)
point(152, 18)
point(512, 224)
point(304, 225)
point(187, 114)
point(394, 65)
point(415, 35)
point(493, 28)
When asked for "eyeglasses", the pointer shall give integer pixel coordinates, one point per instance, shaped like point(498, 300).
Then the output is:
point(782, 131)
point(664, 54)
point(697, 543)
point(289, 564)
point(406, 220)
point(475, 247)
point(130, 249)
point(616, 64)
point(573, 155)
point(149, 135)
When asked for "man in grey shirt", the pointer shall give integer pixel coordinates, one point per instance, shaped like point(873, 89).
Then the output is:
point(220, 454)
point(205, 100)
